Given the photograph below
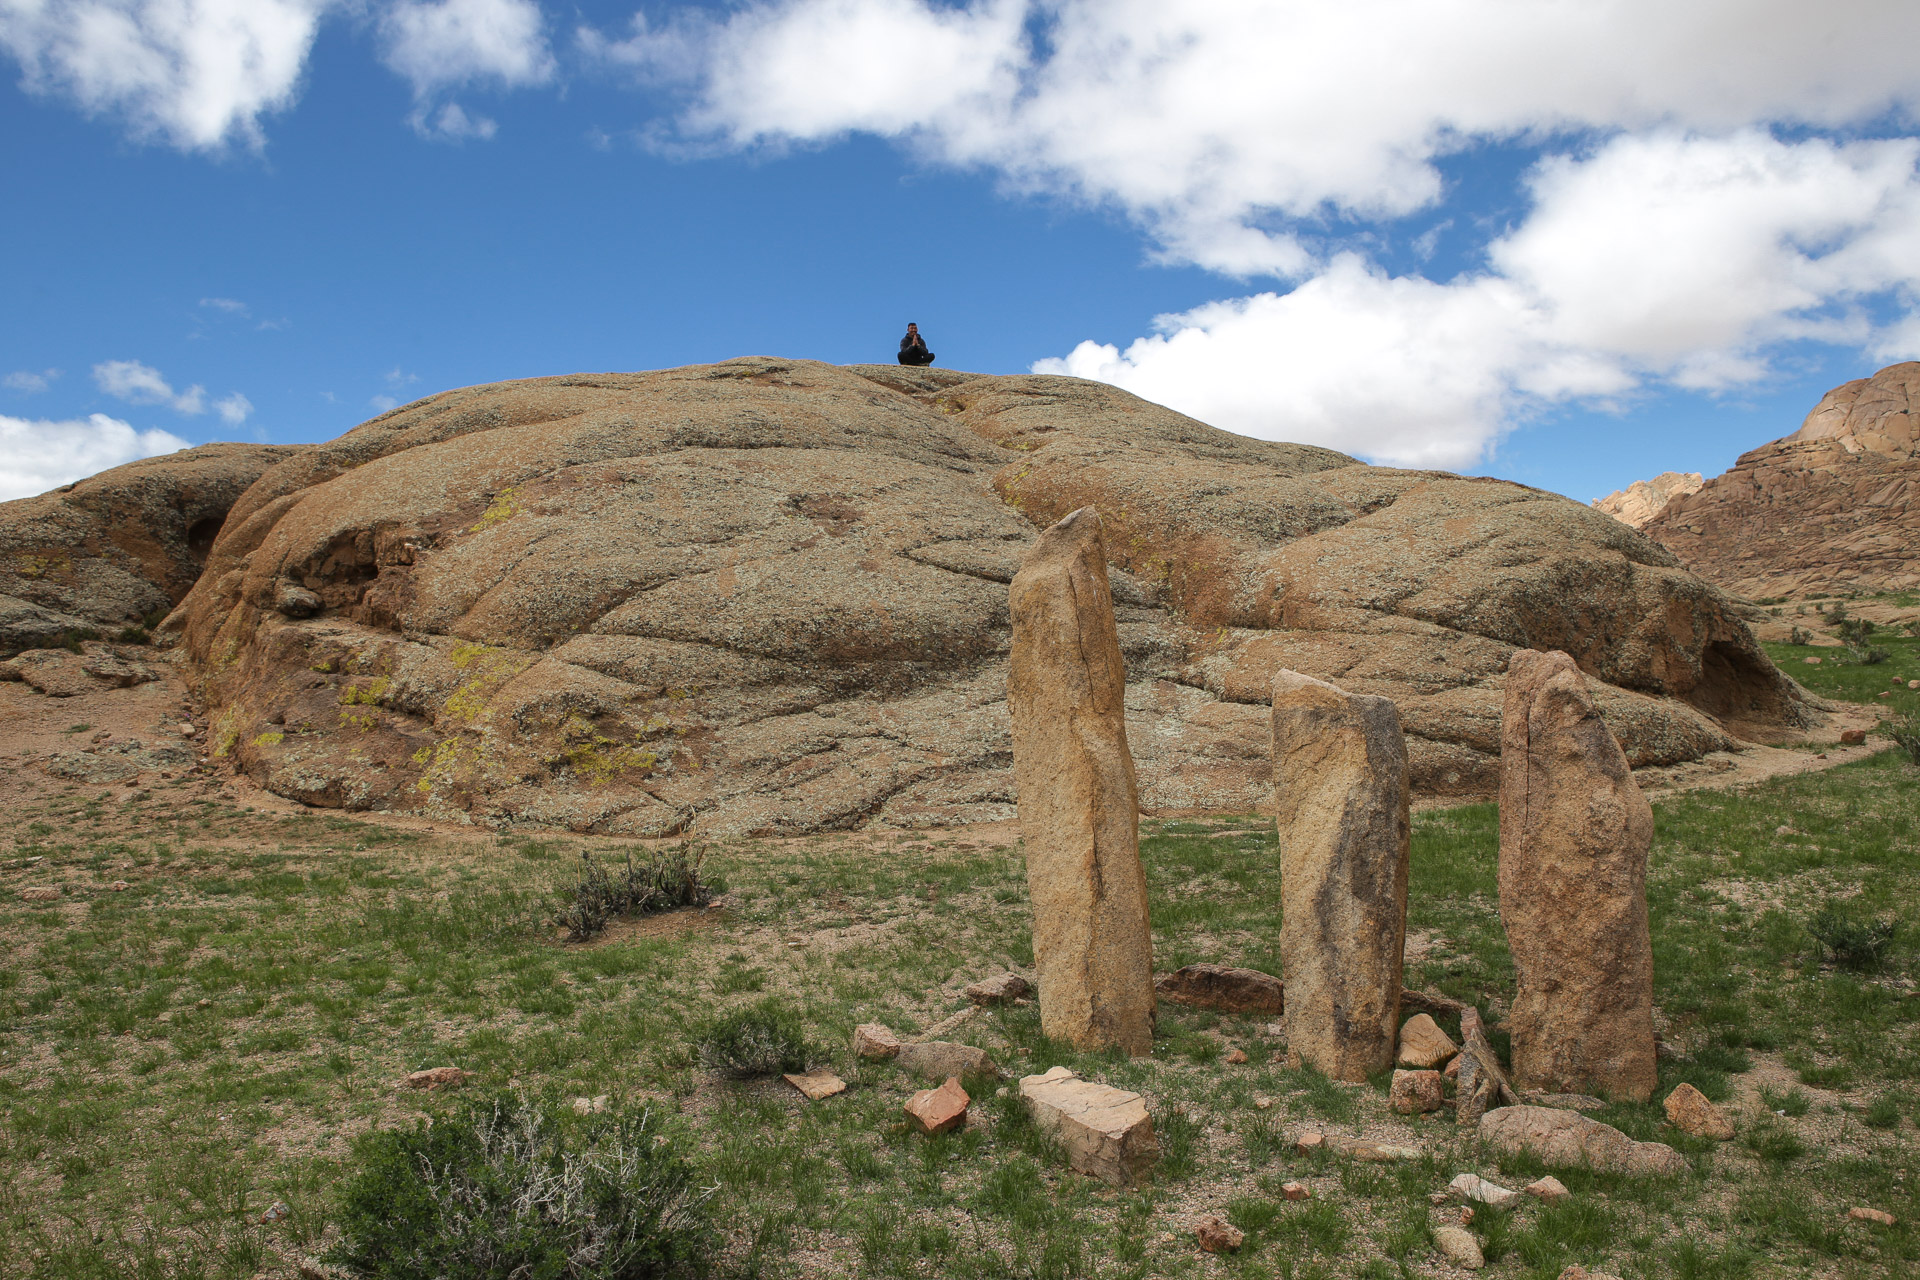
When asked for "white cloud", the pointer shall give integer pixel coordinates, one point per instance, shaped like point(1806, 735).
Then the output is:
point(383, 403)
point(451, 123)
point(441, 44)
point(138, 383)
point(199, 74)
point(38, 454)
point(27, 381)
point(232, 306)
point(1206, 123)
point(233, 409)
point(1657, 257)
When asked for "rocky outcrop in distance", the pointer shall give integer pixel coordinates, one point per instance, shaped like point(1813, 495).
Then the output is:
point(1642, 500)
point(1832, 508)
point(771, 595)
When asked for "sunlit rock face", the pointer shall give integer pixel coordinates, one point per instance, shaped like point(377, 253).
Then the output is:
point(771, 595)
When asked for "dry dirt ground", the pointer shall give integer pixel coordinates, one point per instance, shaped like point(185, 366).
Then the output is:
point(181, 1055)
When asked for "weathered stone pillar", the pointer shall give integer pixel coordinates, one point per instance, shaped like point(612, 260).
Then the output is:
point(1574, 834)
point(1340, 793)
point(1079, 815)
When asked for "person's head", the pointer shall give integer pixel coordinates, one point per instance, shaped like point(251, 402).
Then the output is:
point(912, 327)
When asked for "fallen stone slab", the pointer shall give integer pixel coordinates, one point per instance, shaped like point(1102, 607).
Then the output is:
point(1569, 1139)
point(58, 673)
point(938, 1059)
point(1457, 1245)
point(875, 1042)
point(438, 1078)
point(40, 893)
point(1214, 986)
point(1689, 1111)
point(1376, 1152)
point(817, 1084)
point(1105, 1132)
point(1423, 1044)
point(940, 1110)
point(1216, 1235)
point(1471, 1186)
point(1415, 1093)
point(1003, 989)
point(1861, 1213)
point(1548, 1188)
point(1482, 1084)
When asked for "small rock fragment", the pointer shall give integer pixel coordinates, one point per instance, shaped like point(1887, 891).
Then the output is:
point(1812, 662)
point(938, 1059)
point(295, 601)
point(1423, 1044)
point(1471, 1186)
point(119, 886)
point(817, 1084)
point(1415, 1093)
point(1003, 989)
point(1548, 1188)
point(1105, 1132)
point(278, 1211)
point(1689, 1111)
point(875, 1042)
point(1296, 1191)
point(40, 893)
point(1262, 1102)
point(1217, 1235)
point(1213, 986)
point(1860, 1213)
point(1852, 737)
point(1236, 1057)
point(439, 1078)
point(1457, 1245)
point(1310, 1142)
point(939, 1110)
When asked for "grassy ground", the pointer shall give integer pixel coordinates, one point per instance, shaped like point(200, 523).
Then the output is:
point(177, 1056)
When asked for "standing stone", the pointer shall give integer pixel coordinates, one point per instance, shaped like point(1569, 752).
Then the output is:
point(1340, 792)
point(1105, 1132)
point(1574, 834)
point(1079, 820)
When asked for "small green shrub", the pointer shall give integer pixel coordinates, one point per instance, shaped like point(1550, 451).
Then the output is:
point(763, 1040)
point(1853, 631)
point(1866, 655)
point(1884, 1113)
point(1775, 1142)
point(668, 879)
point(1855, 943)
point(1800, 635)
point(504, 1189)
point(1904, 729)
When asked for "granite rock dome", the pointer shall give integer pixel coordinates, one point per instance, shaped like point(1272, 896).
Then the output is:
point(770, 595)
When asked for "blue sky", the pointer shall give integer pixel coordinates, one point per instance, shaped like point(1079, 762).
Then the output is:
point(1582, 279)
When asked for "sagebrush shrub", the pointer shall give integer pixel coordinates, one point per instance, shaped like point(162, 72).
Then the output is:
point(1856, 943)
point(1904, 729)
point(507, 1188)
point(762, 1040)
point(669, 878)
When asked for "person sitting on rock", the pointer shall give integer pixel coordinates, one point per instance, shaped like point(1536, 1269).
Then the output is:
point(913, 347)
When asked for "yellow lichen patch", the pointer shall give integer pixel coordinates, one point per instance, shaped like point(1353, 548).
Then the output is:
point(361, 720)
point(505, 506)
point(226, 732)
point(269, 739)
point(371, 694)
point(488, 669)
point(42, 567)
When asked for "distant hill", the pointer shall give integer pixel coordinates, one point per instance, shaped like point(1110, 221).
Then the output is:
point(1833, 507)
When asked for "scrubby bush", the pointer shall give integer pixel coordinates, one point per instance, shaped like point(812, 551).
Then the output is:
point(1867, 655)
point(762, 1040)
point(1800, 636)
point(1904, 729)
point(508, 1188)
point(1854, 631)
point(669, 878)
point(1855, 942)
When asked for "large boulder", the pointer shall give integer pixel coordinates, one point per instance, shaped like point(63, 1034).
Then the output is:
point(771, 595)
point(120, 546)
point(1833, 507)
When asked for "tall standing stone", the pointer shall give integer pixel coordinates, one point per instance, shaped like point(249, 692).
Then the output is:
point(1079, 816)
point(1574, 834)
point(1340, 793)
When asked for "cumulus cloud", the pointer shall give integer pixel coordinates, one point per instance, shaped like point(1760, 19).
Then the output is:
point(39, 454)
point(1656, 258)
point(199, 74)
point(233, 409)
point(26, 380)
point(441, 45)
point(1685, 218)
point(232, 306)
point(138, 383)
